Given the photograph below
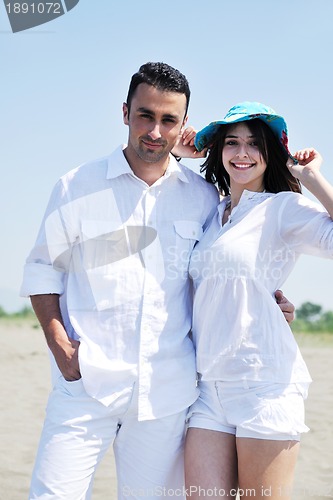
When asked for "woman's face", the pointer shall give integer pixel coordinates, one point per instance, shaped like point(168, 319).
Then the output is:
point(242, 159)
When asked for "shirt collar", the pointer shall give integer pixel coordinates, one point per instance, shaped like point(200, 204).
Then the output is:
point(175, 168)
point(247, 196)
point(254, 195)
point(117, 165)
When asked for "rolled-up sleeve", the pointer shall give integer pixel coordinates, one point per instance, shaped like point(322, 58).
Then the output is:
point(41, 279)
point(45, 268)
point(305, 226)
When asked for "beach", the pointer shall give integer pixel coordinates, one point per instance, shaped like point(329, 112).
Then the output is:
point(25, 379)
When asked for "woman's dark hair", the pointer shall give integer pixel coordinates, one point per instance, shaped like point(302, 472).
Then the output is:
point(277, 176)
point(163, 77)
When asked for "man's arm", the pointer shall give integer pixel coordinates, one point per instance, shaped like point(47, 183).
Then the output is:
point(286, 307)
point(63, 348)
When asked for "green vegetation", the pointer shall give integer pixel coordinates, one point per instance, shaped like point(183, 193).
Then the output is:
point(312, 319)
point(24, 313)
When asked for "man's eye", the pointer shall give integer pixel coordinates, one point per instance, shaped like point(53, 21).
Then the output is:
point(169, 120)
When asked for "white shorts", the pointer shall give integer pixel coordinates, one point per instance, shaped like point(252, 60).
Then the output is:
point(252, 410)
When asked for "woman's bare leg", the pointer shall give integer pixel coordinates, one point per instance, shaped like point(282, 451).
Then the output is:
point(266, 468)
point(210, 464)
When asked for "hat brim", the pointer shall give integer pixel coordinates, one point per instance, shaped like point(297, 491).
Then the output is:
point(278, 125)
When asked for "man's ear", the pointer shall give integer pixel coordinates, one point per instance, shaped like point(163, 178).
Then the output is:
point(125, 113)
point(183, 126)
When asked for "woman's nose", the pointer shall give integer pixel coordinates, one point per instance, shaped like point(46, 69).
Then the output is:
point(242, 150)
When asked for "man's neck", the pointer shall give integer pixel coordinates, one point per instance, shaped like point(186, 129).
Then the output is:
point(148, 172)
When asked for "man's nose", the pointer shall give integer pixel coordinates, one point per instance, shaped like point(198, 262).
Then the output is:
point(155, 132)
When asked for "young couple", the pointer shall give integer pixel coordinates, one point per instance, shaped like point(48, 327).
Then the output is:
point(110, 280)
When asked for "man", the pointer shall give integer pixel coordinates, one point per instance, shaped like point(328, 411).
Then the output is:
point(108, 282)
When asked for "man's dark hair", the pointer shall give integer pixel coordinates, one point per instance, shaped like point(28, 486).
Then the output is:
point(163, 77)
point(277, 176)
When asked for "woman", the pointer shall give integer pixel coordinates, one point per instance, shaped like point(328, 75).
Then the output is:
point(244, 429)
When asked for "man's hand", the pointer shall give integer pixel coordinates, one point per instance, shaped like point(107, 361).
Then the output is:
point(286, 307)
point(184, 148)
point(64, 349)
point(65, 353)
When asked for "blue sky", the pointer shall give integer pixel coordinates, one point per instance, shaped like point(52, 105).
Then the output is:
point(63, 84)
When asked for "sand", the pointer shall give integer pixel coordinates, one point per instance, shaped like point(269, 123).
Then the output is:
point(25, 379)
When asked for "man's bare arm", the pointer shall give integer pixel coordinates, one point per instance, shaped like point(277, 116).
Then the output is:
point(63, 348)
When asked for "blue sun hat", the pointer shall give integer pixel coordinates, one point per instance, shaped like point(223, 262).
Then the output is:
point(242, 112)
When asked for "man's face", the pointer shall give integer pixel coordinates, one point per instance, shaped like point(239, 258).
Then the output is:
point(155, 121)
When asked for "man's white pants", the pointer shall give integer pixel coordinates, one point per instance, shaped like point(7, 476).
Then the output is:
point(78, 431)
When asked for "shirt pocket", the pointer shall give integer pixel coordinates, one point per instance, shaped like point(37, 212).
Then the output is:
point(187, 233)
point(188, 229)
point(112, 262)
point(102, 244)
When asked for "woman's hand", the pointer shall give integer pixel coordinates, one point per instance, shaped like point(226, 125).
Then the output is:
point(309, 163)
point(184, 148)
